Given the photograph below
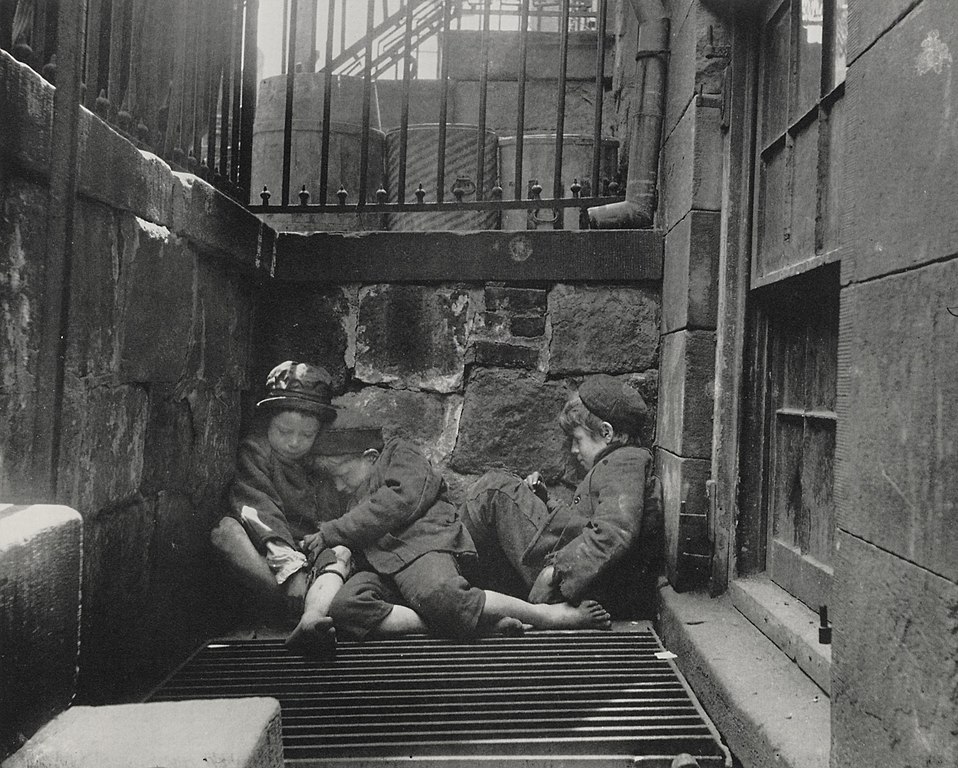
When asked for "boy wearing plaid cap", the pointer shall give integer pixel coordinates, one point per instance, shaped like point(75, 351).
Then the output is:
point(606, 544)
point(277, 497)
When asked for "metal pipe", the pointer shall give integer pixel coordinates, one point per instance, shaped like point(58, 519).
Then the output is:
point(483, 96)
point(404, 119)
point(637, 211)
point(443, 100)
point(560, 110)
point(248, 115)
point(599, 90)
point(367, 102)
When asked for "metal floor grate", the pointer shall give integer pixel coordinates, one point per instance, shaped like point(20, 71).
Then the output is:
point(547, 698)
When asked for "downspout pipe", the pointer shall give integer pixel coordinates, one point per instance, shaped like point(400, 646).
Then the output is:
point(637, 211)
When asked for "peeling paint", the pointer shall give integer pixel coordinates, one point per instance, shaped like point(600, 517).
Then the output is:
point(934, 54)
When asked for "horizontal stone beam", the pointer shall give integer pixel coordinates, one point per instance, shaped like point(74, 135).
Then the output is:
point(541, 255)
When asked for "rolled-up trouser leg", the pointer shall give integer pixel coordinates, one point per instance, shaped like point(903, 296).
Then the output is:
point(503, 515)
point(432, 586)
point(362, 603)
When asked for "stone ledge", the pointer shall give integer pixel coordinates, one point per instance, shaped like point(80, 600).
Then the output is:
point(767, 710)
point(787, 622)
point(226, 733)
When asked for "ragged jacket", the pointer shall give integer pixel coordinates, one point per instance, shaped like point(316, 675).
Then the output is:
point(606, 543)
point(401, 514)
point(290, 498)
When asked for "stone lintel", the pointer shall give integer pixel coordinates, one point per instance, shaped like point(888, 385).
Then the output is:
point(542, 256)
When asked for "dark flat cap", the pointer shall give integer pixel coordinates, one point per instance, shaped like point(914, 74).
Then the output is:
point(614, 401)
point(352, 432)
point(299, 387)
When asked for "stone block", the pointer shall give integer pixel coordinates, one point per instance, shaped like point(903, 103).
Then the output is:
point(118, 558)
point(896, 446)
point(868, 20)
point(26, 103)
point(223, 328)
point(102, 437)
point(687, 545)
point(23, 226)
point(894, 676)
point(613, 329)
point(214, 222)
point(901, 164)
point(156, 323)
point(527, 326)
point(226, 733)
point(430, 421)
point(690, 281)
point(304, 322)
point(113, 171)
point(93, 291)
point(694, 34)
point(503, 354)
point(510, 420)
point(412, 337)
point(501, 298)
point(40, 548)
point(692, 166)
point(687, 392)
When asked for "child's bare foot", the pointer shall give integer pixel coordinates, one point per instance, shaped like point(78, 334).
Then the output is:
point(313, 637)
point(586, 615)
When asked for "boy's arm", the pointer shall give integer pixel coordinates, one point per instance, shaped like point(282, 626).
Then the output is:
point(252, 489)
point(410, 487)
point(616, 520)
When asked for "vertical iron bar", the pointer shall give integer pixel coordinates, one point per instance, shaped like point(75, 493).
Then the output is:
point(113, 92)
point(483, 88)
point(194, 150)
point(560, 110)
point(226, 91)
point(284, 51)
point(599, 88)
point(131, 96)
point(236, 81)
point(288, 119)
point(180, 77)
point(443, 100)
point(367, 96)
point(248, 112)
point(342, 28)
point(93, 38)
point(60, 227)
point(41, 51)
point(404, 118)
point(521, 106)
point(327, 103)
point(211, 33)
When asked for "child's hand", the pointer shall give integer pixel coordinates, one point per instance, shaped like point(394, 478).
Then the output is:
point(534, 481)
point(313, 544)
point(345, 557)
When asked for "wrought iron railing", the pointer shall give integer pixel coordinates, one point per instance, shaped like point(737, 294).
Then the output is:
point(170, 76)
point(395, 33)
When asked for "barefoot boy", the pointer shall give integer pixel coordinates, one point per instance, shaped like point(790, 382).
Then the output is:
point(277, 498)
point(410, 537)
point(604, 545)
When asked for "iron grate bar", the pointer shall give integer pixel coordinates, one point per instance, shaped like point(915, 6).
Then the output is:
point(586, 695)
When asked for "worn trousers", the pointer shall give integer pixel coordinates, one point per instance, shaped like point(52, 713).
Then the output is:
point(513, 531)
point(431, 585)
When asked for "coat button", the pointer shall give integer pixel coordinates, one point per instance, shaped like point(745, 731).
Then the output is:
point(575, 500)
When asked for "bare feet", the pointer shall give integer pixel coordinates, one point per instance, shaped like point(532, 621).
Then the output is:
point(586, 615)
point(313, 637)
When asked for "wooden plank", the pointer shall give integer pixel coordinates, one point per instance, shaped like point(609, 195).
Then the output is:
point(801, 575)
point(541, 255)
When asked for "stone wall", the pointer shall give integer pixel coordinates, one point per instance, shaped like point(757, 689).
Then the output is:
point(895, 675)
point(157, 351)
point(475, 372)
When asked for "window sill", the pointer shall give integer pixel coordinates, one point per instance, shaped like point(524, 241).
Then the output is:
point(787, 622)
point(767, 710)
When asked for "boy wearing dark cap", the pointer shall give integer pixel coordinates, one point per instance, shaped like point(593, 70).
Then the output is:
point(401, 524)
point(605, 545)
point(277, 497)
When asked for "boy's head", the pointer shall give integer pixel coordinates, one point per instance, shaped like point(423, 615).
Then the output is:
point(604, 412)
point(348, 451)
point(298, 403)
